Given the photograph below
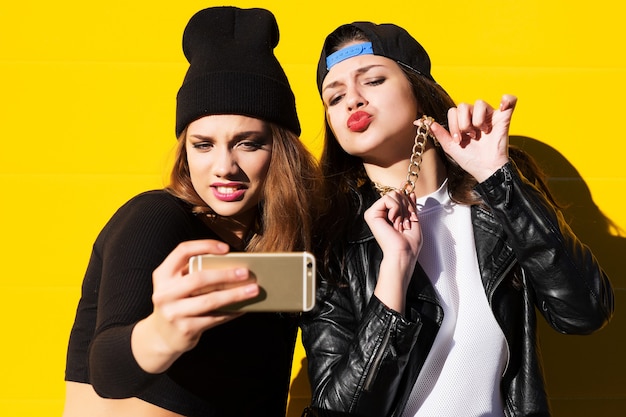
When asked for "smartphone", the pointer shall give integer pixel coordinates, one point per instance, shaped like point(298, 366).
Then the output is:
point(286, 279)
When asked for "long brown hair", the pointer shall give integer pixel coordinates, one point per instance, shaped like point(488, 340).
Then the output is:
point(344, 174)
point(290, 199)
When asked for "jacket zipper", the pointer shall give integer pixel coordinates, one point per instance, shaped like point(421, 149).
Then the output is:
point(508, 183)
point(377, 359)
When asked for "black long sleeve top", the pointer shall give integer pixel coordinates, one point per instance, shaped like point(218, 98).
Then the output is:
point(238, 368)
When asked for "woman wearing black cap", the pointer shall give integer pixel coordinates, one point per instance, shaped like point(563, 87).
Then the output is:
point(148, 335)
point(439, 246)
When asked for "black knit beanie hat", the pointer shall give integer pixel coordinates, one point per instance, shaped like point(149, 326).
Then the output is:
point(233, 70)
point(386, 40)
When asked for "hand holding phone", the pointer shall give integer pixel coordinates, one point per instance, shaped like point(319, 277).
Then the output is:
point(286, 279)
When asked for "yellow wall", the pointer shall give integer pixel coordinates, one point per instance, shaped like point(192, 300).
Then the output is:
point(87, 120)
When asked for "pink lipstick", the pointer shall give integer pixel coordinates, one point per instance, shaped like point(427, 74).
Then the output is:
point(228, 192)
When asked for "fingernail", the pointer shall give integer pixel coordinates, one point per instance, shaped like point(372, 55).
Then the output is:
point(251, 289)
point(241, 272)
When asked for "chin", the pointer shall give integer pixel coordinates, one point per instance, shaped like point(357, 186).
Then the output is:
point(233, 209)
point(227, 211)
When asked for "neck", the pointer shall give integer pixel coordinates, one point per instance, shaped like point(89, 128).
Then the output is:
point(230, 230)
point(431, 175)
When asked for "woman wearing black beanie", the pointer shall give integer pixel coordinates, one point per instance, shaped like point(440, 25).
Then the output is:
point(149, 338)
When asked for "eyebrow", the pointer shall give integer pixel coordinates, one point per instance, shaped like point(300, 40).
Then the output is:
point(238, 136)
point(358, 71)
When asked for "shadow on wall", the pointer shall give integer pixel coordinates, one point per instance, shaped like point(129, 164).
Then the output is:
point(585, 375)
point(583, 215)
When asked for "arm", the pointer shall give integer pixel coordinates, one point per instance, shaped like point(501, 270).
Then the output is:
point(393, 221)
point(135, 339)
point(356, 351)
point(186, 305)
point(358, 341)
point(572, 291)
point(129, 248)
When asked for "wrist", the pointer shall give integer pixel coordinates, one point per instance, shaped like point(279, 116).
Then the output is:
point(486, 172)
point(151, 350)
point(393, 281)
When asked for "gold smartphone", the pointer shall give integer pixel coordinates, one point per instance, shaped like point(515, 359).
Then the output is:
point(286, 279)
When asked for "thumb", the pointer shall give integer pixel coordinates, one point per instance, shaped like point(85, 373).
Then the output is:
point(508, 102)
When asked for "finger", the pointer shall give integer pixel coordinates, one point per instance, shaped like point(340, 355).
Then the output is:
point(205, 303)
point(413, 208)
point(212, 302)
point(379, 209)
point(440, 133)
point(408, 221)
point(459, 123)
point(482, 116)
point(200, 282)
point(393, 207)
point(400, 215)
point(410, 211)
point(508, 102)
point(206, 281)
point(464, 120)
point(453, 125)
point(178, 260)
point(193, 325)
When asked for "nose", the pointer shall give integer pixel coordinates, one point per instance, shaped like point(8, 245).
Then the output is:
point(225, 163)
point(354, 99)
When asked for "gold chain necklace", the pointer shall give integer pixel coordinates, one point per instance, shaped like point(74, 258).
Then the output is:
point(423, 132)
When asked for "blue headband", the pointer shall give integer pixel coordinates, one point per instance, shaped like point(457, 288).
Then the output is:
point(348, 52)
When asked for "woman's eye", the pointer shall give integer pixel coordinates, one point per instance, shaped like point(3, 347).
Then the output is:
point(250, 145)
point(334, 100)
point(376, 81)
point(202, 146)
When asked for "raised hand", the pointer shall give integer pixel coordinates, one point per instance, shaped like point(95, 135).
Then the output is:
point(186, 305)
point(394, 224)
point(478, 138)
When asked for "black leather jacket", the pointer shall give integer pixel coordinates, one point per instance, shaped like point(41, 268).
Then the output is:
point(364, 358)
